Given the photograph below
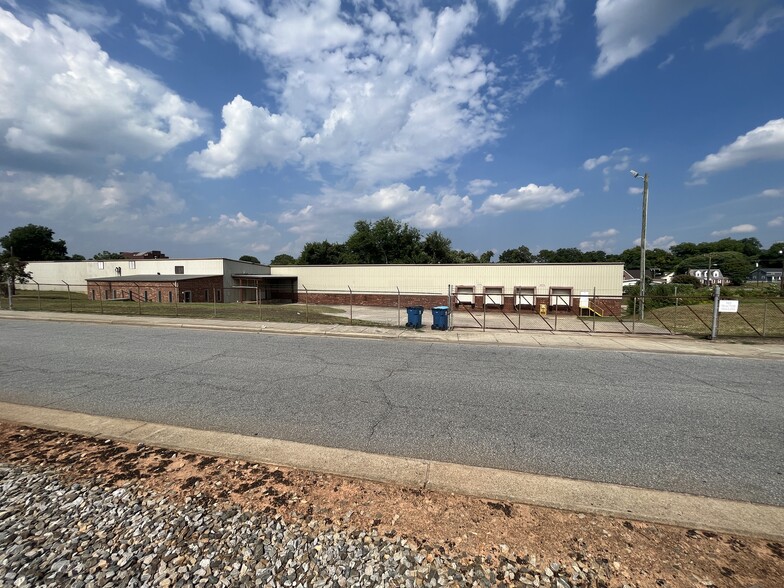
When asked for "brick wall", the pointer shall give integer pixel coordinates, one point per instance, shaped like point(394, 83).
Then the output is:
point(136, 290)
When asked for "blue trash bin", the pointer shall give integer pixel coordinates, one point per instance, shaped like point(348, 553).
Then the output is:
point(440, 318)
point(415, 316)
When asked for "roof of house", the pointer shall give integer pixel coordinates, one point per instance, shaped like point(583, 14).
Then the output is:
point(153, 278)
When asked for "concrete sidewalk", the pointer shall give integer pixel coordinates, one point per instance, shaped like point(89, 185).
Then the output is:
point(753, 349)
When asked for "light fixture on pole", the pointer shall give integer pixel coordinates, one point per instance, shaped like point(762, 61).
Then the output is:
point(642, 239)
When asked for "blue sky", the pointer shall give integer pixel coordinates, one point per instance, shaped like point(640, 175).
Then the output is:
point(230, 127)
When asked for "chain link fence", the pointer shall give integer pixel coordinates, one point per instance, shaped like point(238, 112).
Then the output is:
point(699, 313)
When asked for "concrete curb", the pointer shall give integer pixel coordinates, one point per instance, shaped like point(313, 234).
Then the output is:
point(536, 340)
point(722, 516)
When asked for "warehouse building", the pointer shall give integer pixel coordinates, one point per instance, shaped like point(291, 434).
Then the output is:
point(491, 285)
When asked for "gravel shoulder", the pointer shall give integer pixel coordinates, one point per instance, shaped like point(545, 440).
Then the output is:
point(77, 511)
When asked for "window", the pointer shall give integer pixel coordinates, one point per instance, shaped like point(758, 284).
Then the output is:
point(179, 269)
point(115, 294)
point(186, 296)
point(100, 265)
point(106, 295)
point(217, 295)
point(145, 296)
point(170, 296)
point(160, 296)
point(92, 294)
point(132, 265)
point(206, 295)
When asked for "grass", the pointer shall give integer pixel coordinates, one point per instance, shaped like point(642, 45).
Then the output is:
point(55, 301)
point(754, 318)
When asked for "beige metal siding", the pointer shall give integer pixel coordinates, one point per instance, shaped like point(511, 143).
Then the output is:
point(51, 274)
point(605, 278)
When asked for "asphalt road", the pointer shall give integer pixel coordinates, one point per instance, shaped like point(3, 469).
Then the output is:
point(702, 425)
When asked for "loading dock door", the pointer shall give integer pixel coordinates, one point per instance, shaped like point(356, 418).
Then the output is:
point(561, 297)
point(524, 296)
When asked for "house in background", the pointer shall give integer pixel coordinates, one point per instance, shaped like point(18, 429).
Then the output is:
point(765, 274)
point(710, 277)
point(155, 254)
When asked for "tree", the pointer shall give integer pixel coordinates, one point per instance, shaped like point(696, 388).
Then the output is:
point(324, 253)
point(561, 255)
point(686, 279)
point(283, 259)
point(520, 255)
point(34, 243)
point(486, 257)
point(461, 256)
point(384, 241)
point(107, 255)
point(250, 258)
point(77, 257)
point(437, 249)
point(14, 268)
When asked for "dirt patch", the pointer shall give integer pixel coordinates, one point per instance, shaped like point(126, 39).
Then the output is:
point(628, 552)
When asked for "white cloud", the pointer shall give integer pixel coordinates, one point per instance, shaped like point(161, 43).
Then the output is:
point(548, 17)
point(597, 245)
point(668, 61)
point(765, 143)
point(164, 43)
point(773, 192)
point(664, 242)
point(591, 164)
point(776, 222)
point(747, 28)
point(391, 199)
point(737, 229)
point(530, 197)
point(64, 104)
point(122, 203)
point(450, 211)
point(489, 158)
point(503, 8)
point(381, 95)
point(605, 234)
point(478, 187)
point(634, 191)
point(92, 18)
point(251, 137)
point(627, 28)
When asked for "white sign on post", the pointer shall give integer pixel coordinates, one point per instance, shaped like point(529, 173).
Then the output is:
point(584, 299)
point(728, 306)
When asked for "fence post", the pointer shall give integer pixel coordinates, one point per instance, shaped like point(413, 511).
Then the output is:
point(450, 318)
point(258, 299)
point(715, 326)
point(350, 306)
point(398, 306)
point(765, 316)
point(100, 297)
point(594, 309)
point(484, 310)
point(176, 299)
point(70, 302)
point(307, 304)
point(9, 284)
point(675, 319)
point(139, 296)
point(634, 316)
point(556, 312)
point(214, 304)
point(38, 288)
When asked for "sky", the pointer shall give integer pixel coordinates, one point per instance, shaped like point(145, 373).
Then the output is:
point(221, 128)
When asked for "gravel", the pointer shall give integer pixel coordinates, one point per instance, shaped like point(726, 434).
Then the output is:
point(55, 534)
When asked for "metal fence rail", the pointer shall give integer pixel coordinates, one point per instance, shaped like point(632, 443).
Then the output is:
point(695, 313)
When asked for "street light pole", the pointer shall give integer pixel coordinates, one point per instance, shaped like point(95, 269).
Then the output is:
point(642, 240)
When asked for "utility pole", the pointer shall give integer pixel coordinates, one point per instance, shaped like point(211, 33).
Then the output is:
point(642, 239)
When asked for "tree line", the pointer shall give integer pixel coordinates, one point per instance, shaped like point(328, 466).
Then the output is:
point(391, 241)
point(388, 241)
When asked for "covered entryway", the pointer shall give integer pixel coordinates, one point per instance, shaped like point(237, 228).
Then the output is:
point(269, 288)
